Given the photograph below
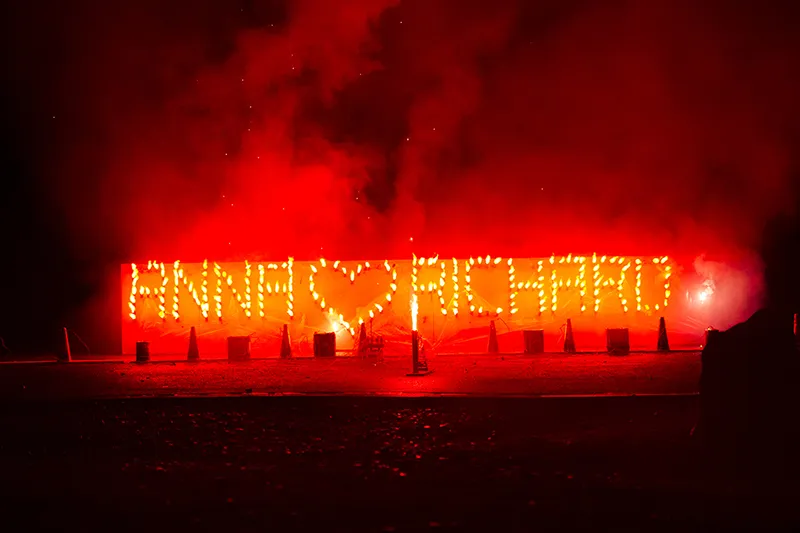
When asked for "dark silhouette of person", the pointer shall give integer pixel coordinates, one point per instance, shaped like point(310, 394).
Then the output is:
point(749, 373)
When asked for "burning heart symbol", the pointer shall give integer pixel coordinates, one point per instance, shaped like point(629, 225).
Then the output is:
point(352, 274)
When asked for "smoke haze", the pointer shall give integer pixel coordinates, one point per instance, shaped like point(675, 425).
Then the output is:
point(185, 130)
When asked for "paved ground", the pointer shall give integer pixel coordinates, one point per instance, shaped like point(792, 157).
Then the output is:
point(115, 447)
point(362, 464)
point(366, 464)
point(465, 374)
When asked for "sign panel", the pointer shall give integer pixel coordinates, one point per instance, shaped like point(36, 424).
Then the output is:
point(456, 298)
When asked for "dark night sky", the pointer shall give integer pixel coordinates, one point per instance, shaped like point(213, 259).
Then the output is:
point(264, 128)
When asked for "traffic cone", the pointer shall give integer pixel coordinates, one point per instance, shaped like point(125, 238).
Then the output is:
point(362, 341)
point(66, 355)
point(663, 341)
point(569, 339)
point(286, 347)
point(194, 351)
point(493, 347)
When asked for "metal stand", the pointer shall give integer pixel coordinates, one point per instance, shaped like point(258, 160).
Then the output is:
point(419, 367)
point(370, 346)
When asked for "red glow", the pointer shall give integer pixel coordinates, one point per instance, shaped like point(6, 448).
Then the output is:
point(395, 297)
point(237, 161)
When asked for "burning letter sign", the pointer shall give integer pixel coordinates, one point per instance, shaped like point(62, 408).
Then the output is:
point(162, 299)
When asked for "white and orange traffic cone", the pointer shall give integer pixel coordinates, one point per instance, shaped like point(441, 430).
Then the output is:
point(286, 346)
point(493, 346)
point(569, 339)
point(663, 341)
point(194, 351)
point(363, 343)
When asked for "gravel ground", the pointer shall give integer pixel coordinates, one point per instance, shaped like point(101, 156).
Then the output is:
point(465, 374)
point(362, 464)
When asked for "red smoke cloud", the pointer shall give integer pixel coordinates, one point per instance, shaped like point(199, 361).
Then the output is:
point(346, 130)
point(625, 127)
point(268, 128)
